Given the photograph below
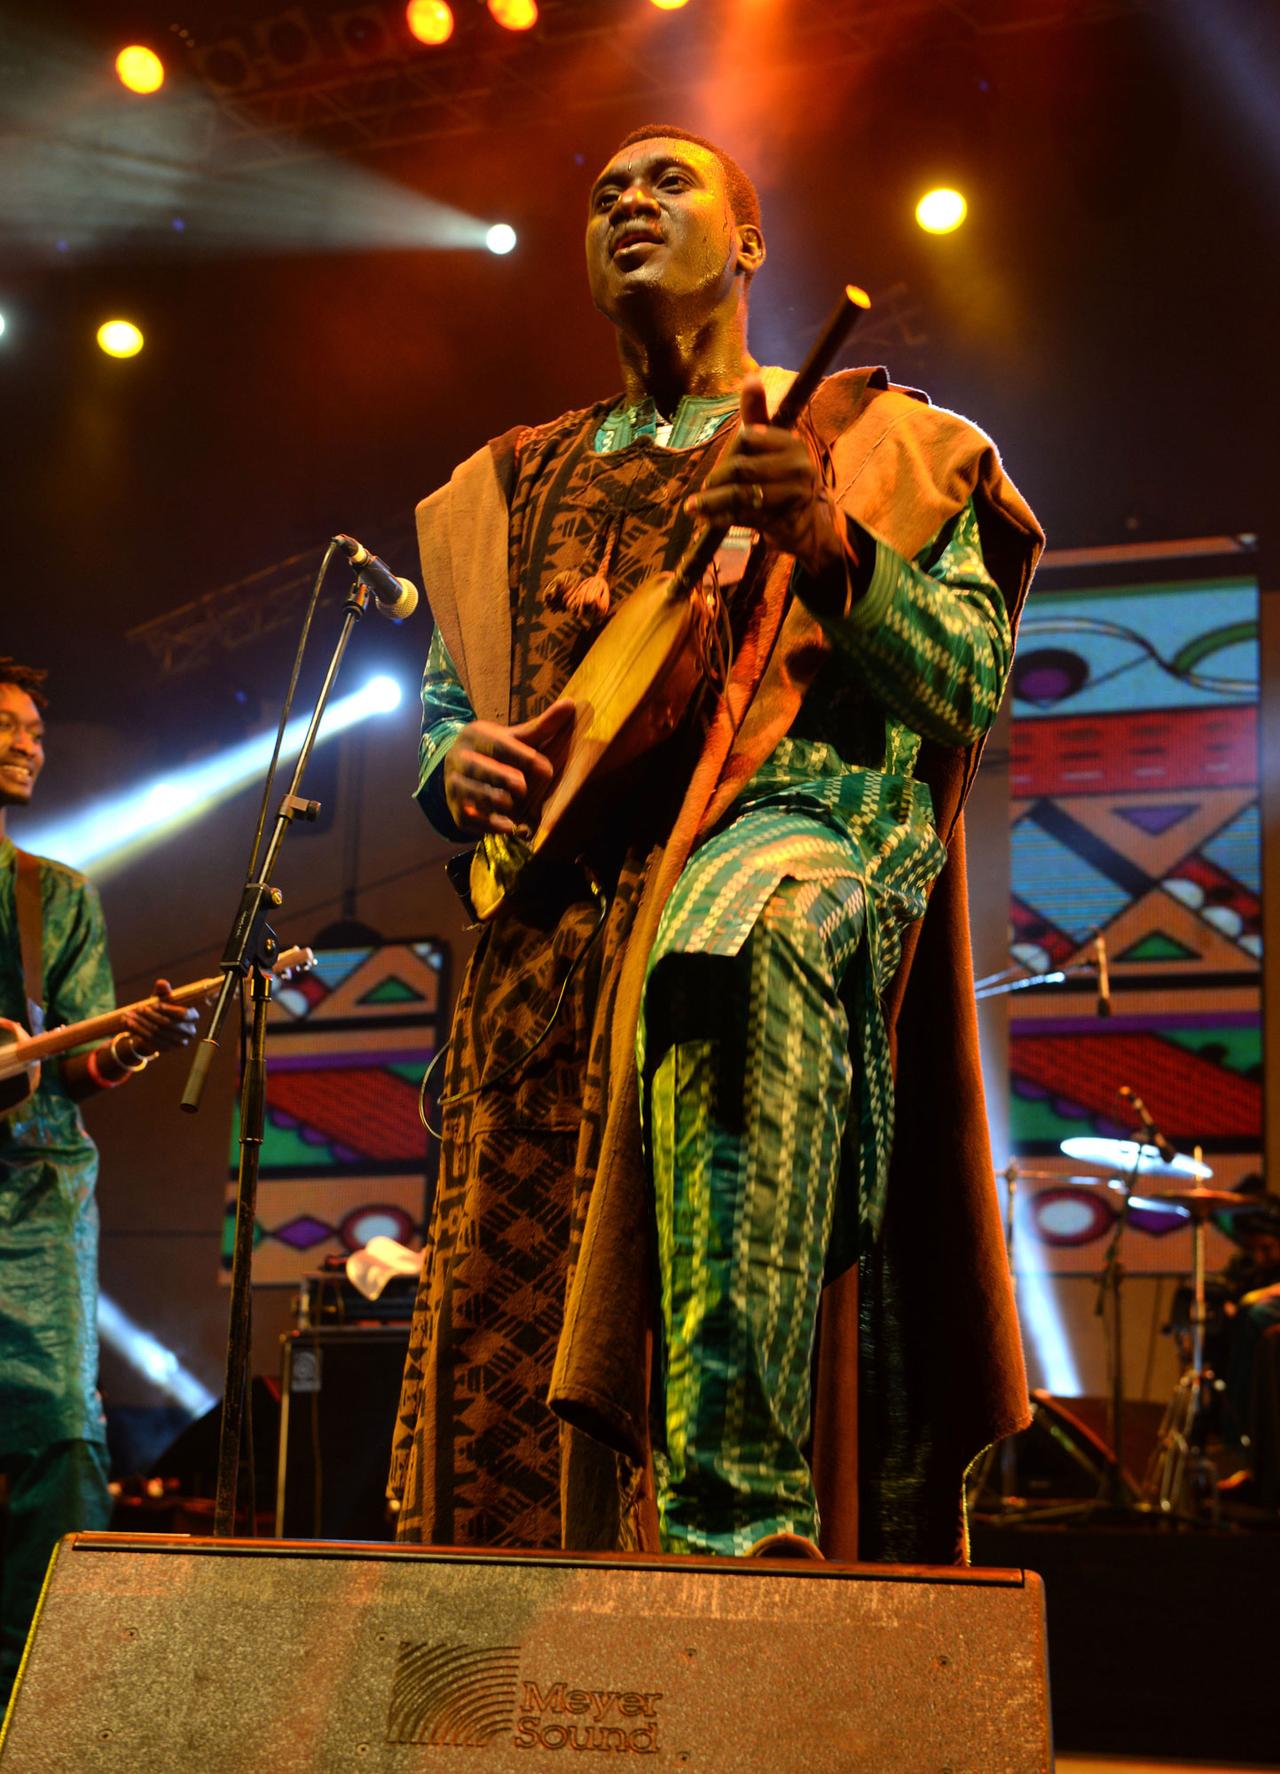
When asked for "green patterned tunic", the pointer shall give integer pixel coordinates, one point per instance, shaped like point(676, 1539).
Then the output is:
point(48, 1171)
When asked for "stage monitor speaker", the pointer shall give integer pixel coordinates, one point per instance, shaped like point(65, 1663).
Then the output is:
point(156, 1655)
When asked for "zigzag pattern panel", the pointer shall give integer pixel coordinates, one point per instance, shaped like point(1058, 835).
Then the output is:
point(345, 1156)
point(1134, 773)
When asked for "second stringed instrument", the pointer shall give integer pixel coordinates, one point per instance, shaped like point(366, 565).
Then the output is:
point(644, 670)
point(20, 1056)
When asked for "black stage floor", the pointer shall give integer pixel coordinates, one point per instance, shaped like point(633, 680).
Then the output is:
point(1162, 1642)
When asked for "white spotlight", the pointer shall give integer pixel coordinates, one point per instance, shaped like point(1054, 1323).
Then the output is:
point(501, 238)
point(381, 694)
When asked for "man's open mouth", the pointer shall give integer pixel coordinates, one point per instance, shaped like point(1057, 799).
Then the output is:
point(635, 237)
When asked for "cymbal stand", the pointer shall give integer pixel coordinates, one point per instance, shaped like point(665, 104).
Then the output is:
point(1116, 1492)
point(1116, 1495)
point(1180, 1479)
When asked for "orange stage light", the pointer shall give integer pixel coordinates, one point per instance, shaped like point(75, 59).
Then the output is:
point(119, 338)
point(431, 21)
point(941, 211)
point(515, 15)
point(140, 69)
point(668, 5)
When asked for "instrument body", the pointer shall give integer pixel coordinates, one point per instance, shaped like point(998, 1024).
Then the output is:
point(21, 1054)
point(627, 696)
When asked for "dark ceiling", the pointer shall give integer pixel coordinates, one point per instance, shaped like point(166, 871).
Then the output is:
point(1107, 313)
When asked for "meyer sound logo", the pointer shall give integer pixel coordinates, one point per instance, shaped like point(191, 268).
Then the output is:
point(453, 1694)
point(465, 1696)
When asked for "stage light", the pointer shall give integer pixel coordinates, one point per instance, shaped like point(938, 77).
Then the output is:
point(941, 211)
point(668, 5)
point(501, 238)
point(362, 35)
point(430, 21)
point(104, 835)
point(140, 69)
point(119, 338)
point(225, 66)
point(2, 326)
point(515, 15)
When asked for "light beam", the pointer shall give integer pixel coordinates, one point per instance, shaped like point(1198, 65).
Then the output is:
point(149, 1357)
point(110, 832)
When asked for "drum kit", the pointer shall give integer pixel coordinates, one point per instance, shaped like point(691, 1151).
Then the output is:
point(1180, 1481)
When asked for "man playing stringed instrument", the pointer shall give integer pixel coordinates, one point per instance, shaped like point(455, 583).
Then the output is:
point(671, 1200)
point(54, 968)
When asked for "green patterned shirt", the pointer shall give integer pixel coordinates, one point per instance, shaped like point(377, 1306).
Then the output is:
point(48, 1170)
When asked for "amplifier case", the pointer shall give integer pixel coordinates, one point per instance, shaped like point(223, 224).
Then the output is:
point(339, 1394)
point(174, 1656)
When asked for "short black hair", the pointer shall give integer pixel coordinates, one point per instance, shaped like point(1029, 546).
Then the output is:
point(744, 199)
point(27, 678)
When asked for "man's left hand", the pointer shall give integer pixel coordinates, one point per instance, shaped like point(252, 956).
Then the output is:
point(154, 1027)
point(769, 481)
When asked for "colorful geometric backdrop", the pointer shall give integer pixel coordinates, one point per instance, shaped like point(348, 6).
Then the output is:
point(1134, 785)
point(345, 1156)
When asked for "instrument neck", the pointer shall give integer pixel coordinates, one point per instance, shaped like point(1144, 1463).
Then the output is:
point(98, 1028)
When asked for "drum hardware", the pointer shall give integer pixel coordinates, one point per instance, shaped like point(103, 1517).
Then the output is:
point(1115, 1489)
point(1178, 1474)
point(1181, 1481)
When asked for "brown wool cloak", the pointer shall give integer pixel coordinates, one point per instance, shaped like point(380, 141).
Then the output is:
point(921, 1364)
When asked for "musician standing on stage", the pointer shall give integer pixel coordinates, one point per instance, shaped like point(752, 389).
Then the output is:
point(668, 1106)
point(53, 1455)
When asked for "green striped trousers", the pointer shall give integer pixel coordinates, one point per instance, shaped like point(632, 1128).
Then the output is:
point(749, 1088)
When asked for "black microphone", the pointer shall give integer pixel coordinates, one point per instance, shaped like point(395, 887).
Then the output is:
point(1151, 1134)
point(396, 598)
point(1103, 1004)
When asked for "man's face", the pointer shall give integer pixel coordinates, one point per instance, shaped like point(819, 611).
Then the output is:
point(21, 746)
point(660, 221)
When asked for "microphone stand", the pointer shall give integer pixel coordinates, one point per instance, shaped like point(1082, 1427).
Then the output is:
point(250, 953)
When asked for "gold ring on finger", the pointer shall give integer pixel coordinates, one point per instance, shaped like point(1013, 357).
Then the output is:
point(757, 496)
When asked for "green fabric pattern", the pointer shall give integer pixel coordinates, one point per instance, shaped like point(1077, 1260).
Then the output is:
point(697, 418)
point(745, 1126)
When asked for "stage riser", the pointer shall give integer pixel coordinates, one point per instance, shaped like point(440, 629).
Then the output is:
point(228, 1657)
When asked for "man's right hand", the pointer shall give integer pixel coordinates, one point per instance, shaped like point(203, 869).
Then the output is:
point(495, 776)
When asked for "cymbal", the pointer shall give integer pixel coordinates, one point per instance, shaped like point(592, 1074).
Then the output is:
point(1129, 1156)
point(1201, 1201)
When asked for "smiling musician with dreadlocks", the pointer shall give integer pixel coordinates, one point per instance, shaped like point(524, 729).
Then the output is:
point(670, 1186)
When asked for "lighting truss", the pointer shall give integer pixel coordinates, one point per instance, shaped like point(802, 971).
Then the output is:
point(222, 621)
point(486, 78)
